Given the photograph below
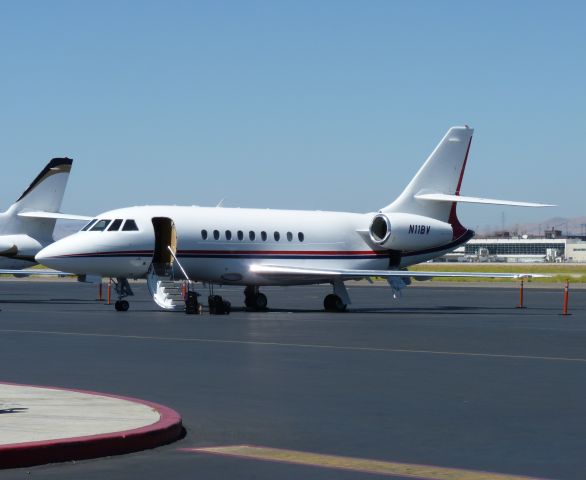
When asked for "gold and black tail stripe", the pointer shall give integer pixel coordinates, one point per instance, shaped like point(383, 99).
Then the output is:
point(55, 166)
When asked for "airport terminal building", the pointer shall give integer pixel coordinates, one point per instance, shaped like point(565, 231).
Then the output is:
point(520, 249)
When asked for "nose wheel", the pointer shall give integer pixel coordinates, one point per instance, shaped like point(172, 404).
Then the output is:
point(121, 305)
point(122, 288)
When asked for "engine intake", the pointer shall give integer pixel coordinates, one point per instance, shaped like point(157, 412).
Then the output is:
point(407, 232)
point(380, 229)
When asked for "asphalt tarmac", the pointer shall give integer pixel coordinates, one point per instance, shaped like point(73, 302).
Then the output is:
point(445, 376)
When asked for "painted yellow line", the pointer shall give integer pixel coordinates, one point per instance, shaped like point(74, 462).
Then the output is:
point(363, 465)
point(348, 348)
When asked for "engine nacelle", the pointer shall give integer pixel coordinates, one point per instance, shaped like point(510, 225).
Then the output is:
point(406, 232)
point(21, 244)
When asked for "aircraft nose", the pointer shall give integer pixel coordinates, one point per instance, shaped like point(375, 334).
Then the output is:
point(50, 256)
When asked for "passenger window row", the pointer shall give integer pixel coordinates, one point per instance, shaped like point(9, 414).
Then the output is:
point(101, 225)
point(251, 235)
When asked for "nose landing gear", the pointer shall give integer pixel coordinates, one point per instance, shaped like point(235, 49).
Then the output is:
point(122, 288)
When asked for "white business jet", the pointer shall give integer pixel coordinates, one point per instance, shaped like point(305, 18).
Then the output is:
point(255, 248)
point(27, 226)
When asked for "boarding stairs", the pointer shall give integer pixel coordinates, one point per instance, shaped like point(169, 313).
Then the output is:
point(165, 290)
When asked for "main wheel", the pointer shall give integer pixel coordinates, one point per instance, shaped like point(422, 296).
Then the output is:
point(260, 301)
point(333, 303)
point(256, 302)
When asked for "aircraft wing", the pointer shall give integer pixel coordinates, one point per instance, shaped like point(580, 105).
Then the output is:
point(31, 271)
point(344, 274)
point(56, 215)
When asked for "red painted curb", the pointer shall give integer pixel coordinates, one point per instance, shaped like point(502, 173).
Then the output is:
point(168, 429)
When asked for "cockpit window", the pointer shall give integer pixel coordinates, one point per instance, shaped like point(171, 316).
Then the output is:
point(130, 226)
point(115, 226)
point(88, 225)
point(100, 225)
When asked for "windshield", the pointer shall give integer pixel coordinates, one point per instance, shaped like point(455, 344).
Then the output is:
point(88, 225)
point(100, 226)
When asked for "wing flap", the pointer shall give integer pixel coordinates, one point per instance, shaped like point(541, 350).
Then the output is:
point(278, 270)
point(442, 197)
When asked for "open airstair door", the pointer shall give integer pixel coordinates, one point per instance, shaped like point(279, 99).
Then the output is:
point(165, 236)
point(165, 290)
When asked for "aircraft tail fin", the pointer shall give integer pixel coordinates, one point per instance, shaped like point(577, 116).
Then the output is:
point(435, 190)
point(44, 194)
point(46, 191)
point(442, 173)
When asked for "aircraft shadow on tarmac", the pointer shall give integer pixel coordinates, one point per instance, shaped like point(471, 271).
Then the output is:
point(435, 310)
point(13, 410)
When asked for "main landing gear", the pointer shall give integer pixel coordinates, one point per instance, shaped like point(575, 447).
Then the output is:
point(339, 300)
point(333, 303)
point(122, 288)
point(253, 299)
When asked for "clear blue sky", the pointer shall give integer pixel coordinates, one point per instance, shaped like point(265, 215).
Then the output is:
point(293, 104)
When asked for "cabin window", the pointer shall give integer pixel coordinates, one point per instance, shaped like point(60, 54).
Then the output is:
point(251, 235)
point(130, 226)
point(228, 234)
point(240, 235)
point(88, 225)
point(100, 226)
point(300, 236)
point(115, 226)
point(204, 234)
point(263, 236)
point(277, 236)
point(216, 235)
point(289, 236)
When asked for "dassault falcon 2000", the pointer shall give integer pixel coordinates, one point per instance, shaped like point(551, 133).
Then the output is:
point(255, 248)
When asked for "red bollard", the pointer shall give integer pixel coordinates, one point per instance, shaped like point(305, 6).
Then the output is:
point(109, 291)
point(183, 290)
point(521, 305)
point(100, 292)
point(566, 298)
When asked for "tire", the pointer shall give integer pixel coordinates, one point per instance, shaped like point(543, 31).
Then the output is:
point(121, 305)
point(333, 303)
point(260, 301)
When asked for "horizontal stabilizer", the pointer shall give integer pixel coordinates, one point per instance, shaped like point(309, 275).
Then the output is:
point(55, 215)
point(442, 197)
point(325, 273)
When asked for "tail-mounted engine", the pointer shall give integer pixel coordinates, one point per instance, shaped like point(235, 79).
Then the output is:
point(406, 232)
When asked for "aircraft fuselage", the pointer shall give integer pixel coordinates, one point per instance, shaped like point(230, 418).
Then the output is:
point(220, 244)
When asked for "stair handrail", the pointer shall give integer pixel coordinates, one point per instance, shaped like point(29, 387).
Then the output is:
point(180, 266)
